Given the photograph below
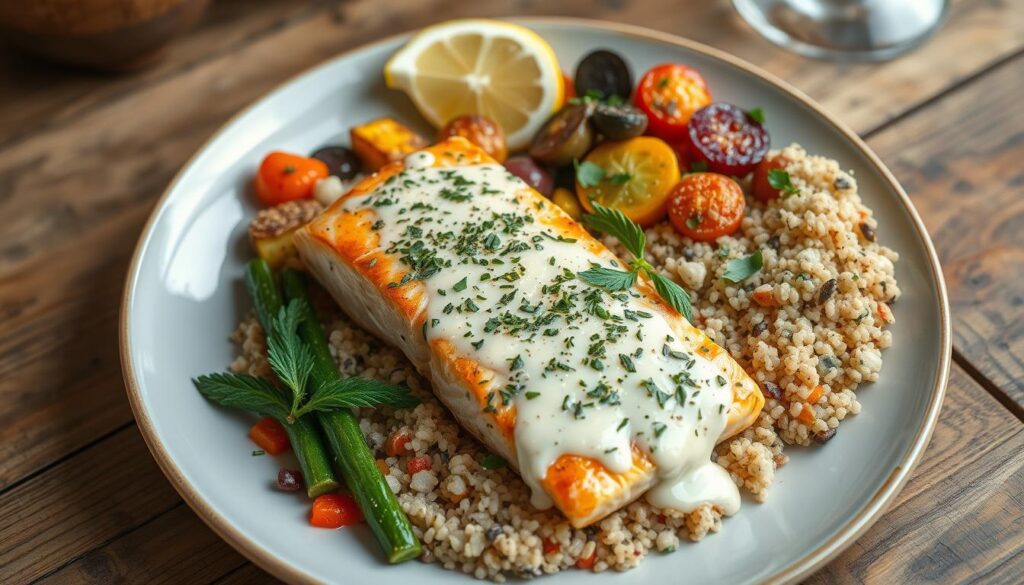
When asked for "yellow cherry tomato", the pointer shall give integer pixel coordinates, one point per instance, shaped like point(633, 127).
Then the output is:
point(634, 176)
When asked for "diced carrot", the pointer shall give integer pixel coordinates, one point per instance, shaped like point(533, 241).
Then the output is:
point(549, 546)
point(806, 415)
point(270, 436)
point(815, 395)
point(417, 464)
point(335, 511)
point(587, 562)
point(884, 313)
point(383, 466)
point(396, 443)
point(763, 297)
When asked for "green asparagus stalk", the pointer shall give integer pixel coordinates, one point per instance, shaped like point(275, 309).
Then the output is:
point(378, 503)
point(302, 432)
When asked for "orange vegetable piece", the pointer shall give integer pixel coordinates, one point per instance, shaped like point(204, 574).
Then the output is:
point(286, 177)
point(549, 546)
point(417, 464)
point(706, 206)
point(587, 563)
point(570, 88)
point(763, 297)
point(396, 444)
point(270, 435)
point(815, 395)
point(479, 130)
point(806, 415)
point(382, 141)
point(383, 466)
point(335, 511)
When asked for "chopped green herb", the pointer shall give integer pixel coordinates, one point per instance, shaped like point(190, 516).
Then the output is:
point(779, 179)
point(621, 178)
point(460, 286)
point(588, 174)
point(757, 114)
point(492, 461)
point(740, 269)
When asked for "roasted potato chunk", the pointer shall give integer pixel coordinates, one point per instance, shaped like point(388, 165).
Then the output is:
point(382, 141)
point(270, 232)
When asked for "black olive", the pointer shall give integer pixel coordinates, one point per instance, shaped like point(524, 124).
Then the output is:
point(619, 122)
point(773, 242)
point(341, 162)
point(565, 137)
point(827, 290)
point(772, 390)
point(841, 183)
point(605, 73)
point(759, 328)
point(868, 232)
point(822, 437)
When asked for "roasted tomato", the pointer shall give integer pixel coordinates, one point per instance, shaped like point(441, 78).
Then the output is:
point(728, 139)
point(706, 206)
point(565, 137)
point(669, 94)
point(763, 189)
point(286, 177)
point(633, 176)
point(479, 130)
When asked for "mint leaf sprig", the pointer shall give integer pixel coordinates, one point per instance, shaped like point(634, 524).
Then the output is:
point(292, 362)
point(614, 222)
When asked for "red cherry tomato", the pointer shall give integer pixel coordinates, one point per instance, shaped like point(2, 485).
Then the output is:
point(727, 139)
point(417, 464)
point(706, 206)
point(285, 177)
point(763, 190)
point(669, 94)
point(335, 511)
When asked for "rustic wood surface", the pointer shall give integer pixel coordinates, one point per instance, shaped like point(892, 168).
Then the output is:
point(84, 156)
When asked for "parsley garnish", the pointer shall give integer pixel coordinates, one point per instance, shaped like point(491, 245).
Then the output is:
point(588, 174)
point(621, 178)
point(779, 179)
point(631, 235)
point(757, 114)
point(740, 269)
point(291, 361)
point(492, 461)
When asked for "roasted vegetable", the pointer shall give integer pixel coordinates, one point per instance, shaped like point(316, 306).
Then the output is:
point(270, 232)
point(286, 177)
point(341, 161)
point(479, 130)
point(669, 94)
point(382, 141)
point(706, 206)
point(633, 176)
point(603, 74)
point(567, 136)
point(619, 122)
point(729, 140)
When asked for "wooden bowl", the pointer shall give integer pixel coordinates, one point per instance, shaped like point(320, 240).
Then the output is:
point(104, 34)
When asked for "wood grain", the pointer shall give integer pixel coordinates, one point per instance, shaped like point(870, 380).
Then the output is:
point(74, 193)
point(961, 164)
point(961, 515)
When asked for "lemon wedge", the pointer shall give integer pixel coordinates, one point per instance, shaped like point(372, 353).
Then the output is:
point(496, 69)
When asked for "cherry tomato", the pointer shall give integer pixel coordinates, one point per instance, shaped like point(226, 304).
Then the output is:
point(479, 130)
point(669, 94)
point(570, 88)
point(285, 177)
point(763, 190)
point(706, 206)
point(727, 139)
point(633, 176)
point(270, 436)
point(335, 511)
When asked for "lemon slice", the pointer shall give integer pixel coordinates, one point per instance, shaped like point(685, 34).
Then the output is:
point(487, 67)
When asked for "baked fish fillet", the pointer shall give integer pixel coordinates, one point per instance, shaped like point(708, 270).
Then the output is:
point(594, 391)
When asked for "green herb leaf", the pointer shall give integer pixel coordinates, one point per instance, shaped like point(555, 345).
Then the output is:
point(608, 278)
point(673, 294)
point(288, 357)
point(357, 393)
point(461, 285)
point(779, 179)
point(614, 222)
point(698, 166)
point(740, 269)
point(243, 392)
point(757, 114)
point(694, 221)
point(588, 174)
point(621, 178)
point(492, 461)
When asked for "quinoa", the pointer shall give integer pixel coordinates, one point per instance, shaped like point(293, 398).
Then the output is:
point(809, 327)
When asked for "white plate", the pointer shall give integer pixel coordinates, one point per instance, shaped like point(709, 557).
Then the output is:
point(184, 297)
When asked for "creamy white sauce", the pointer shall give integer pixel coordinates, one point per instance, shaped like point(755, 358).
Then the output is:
point(566, 402)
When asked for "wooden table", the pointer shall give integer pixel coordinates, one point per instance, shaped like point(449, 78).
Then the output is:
point(83, 158)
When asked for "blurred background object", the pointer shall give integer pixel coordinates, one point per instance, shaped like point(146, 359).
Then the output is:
point(103, 34)
point(846, 30)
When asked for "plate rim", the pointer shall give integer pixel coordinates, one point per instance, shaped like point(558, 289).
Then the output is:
point(809, 562)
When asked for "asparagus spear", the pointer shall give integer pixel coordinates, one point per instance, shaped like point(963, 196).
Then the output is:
point(378, 503)
point(302, 432)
